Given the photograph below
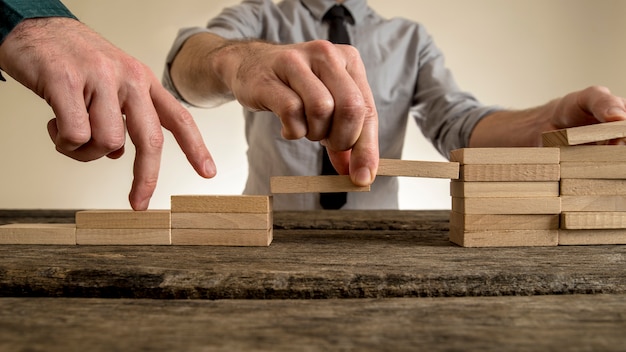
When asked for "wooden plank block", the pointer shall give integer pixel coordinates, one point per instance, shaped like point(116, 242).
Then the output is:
point(482, 222)
point(210, 237)
point(314, 184)
point(533, 205)
point(591, 237)
point(593, 203)
point(595, 153)
point(599, 170)
point(487, 156)
point(510, 173)
point(504, 189)
point(220, 204)
point(592, 187)
point(504, 238)
point(585, 134)
point(123, 219)
point(48, 234)
point(593, 220)
point(415, 168)
point(248, 221)
point(123, 237)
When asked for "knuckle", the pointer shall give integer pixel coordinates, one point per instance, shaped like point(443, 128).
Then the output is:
point(72, 139)
point(156, 140)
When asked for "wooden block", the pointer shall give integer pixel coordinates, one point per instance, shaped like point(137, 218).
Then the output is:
point(510, 172)
point(533, 205)
point(504, 189)
point(483, 222)
point(314, 184)
point(593, 203)
point(123, 237)
point(248, 221)
point(487, 156)
point(220, 204)
point(504, 238)
point(592, 187)
point(585, 134)
point(413, 168)
point(593, 220)
point(50, 234)
point(209, 237)
point(123, 219)
point(591, 237)
point(595, 153)
point(600, 170)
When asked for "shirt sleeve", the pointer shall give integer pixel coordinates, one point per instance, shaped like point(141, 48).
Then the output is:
point(445, 114)
point(12, 12)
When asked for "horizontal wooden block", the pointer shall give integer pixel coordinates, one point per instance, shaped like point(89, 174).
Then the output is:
point(123, 237)
point(209, 237)
point(314, 184)
point(595, 153)
point(510, 172)
point(599, 170)
point(504, 189)
point(503, 238)
point(593, 220)
point(592, 187)
point(414, 168)
point(585, 134)
point(486, 156)
point(593, 203)
point(123, 219)
point(534, 205)
point(48, 234)
point(220, 204)
point(483, 222)
point(249, 221)
point(591, 237)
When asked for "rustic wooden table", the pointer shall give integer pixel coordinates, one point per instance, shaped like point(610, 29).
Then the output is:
point(330, 280)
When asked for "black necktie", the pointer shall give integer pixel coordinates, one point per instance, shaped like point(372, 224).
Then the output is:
point(338, 34)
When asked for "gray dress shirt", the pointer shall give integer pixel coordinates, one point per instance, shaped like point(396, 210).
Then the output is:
point(405, 70)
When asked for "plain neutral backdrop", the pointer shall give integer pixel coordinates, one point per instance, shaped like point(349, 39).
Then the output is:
point(513, 53)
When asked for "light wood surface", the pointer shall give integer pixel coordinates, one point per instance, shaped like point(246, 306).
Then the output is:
point(123, 219)
point(314, 184)
point(220, 204)
point(530, 205)
point(415, 168)
point(464, 189)
point(585, 134)
point(486, 156)
point(510, 172)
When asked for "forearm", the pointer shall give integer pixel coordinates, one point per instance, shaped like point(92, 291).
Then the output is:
point(514, 128)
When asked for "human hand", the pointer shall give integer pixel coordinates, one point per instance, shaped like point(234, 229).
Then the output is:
point(97, 92)
point(318, 90)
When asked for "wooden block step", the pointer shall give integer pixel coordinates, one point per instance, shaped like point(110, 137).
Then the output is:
point(220, 204)
point(505, 238)
point(594, 170)
point(314, 184)
point(123, 219)
point(593, 203)
point(510, 172)
point(534, 205)
point(593, 220)
point(486, 156)
point(592, 187)
point(209, 237)
point(504, 189)
point(585, 134)
point(248, 221)
point(44, 234)
point(594, 153)
point(591, 237)
point(124, 237)
point(413, 168)
point(484, 222)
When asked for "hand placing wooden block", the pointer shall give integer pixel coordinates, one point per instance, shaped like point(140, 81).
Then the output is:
point(48, 234)
point(414, 168)
point(585, 134)
point(314, 184)
point(499, 156)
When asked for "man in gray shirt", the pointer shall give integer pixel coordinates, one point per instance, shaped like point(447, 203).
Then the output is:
point(354, 99)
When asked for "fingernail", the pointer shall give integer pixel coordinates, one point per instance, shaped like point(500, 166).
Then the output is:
point(363, 177)
point(209, 168)
point(615, 111)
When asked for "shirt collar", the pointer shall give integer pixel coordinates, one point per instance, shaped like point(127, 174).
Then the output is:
point(357, 8)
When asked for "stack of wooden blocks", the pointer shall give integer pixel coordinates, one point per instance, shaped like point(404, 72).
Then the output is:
point(505, 197)
point(593, 184)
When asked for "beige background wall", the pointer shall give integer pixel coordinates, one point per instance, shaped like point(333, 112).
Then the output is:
point(512, 53)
